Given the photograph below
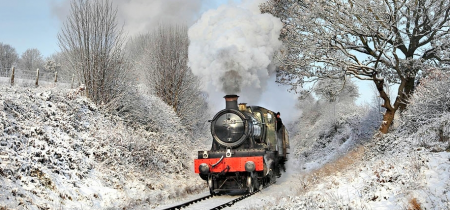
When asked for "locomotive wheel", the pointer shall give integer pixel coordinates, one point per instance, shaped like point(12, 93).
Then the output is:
point(211, 185)
point(256, 184)
point(272, 177)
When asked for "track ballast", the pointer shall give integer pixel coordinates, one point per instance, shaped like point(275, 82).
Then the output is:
point(222, 206)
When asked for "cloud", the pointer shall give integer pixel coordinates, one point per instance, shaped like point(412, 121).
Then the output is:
point(141, 16)
point(232, 47)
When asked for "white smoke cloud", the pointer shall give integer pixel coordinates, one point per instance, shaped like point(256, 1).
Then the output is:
point(232, 47)
point(142, 16)
point(60, 9)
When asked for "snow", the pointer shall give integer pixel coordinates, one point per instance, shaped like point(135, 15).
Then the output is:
point(66, 152)
point(60, 152)
point(386, 181)
point(405, 169)
point(389, 179)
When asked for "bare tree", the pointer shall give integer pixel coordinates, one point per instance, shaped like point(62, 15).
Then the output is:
point(332, 91)
point(51, 65)
point(8, 56)
point(372, 40)
point(58, 62)
point(164, 57)
point(336, 93)
point(92, 44)
point(31, 59)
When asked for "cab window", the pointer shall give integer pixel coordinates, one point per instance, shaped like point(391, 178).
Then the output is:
point(269, 117)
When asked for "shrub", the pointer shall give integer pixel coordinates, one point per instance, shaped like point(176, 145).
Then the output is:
point(427, 118)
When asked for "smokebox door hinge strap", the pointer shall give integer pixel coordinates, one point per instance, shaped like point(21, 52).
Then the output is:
point(228, 154)
point(215, 164)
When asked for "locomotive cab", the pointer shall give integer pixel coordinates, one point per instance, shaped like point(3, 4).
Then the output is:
point(246, 153)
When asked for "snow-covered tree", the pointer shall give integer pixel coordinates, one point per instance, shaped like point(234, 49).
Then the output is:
point(331, 118)
point(334, 90)
point(8, 56)
point(57, 62)
point(92, 43)
point(31, 59)
point(336, 99)
point(51, 65)
point(428, 114)
point(162, 56)
point(373, 40)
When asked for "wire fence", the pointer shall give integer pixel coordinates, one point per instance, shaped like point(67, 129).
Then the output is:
point(28, 74)
point(5, 72)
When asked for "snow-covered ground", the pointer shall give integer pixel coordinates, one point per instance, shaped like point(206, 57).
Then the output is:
point(58, 150)
point(408, 168)
point(368, 177)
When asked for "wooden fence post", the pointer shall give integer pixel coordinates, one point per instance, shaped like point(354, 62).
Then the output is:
point(56, 76)
point(37, 78)
point(12, 76)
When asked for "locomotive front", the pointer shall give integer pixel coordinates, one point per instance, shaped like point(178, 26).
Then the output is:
point(243, 155)
point(231, 127)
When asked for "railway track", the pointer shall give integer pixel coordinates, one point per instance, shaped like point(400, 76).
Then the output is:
point(221, 206)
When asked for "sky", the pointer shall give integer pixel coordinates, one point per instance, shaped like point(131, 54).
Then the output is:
point(27, 24)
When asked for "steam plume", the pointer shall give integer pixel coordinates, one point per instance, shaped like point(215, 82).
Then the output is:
point(232, 47)
point(142, 16)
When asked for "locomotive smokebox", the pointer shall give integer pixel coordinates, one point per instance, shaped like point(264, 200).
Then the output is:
point(231, 102)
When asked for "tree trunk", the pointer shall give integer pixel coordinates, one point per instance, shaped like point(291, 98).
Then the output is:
point(407, 92)
point(388, 118)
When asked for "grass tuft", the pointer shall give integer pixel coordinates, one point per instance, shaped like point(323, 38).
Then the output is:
point(414, 204)
point(339, 165)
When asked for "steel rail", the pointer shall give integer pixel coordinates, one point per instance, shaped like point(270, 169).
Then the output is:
point(222, 206)
point(230, 203)
point(185, 204)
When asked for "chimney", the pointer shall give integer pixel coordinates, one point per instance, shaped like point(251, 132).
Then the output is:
point(231, 102)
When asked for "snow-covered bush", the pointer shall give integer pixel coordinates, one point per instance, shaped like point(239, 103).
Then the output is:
point(331, 120)
point(427, 117)
point(173, 82)
point(65, 152)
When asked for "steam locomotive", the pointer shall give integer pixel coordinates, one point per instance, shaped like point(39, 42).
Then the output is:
point(248, 151)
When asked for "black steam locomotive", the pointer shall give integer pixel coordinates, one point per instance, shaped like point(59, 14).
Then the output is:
point(248, 151)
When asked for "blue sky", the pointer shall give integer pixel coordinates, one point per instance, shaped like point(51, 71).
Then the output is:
point(26, 24)
point(29, 24)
